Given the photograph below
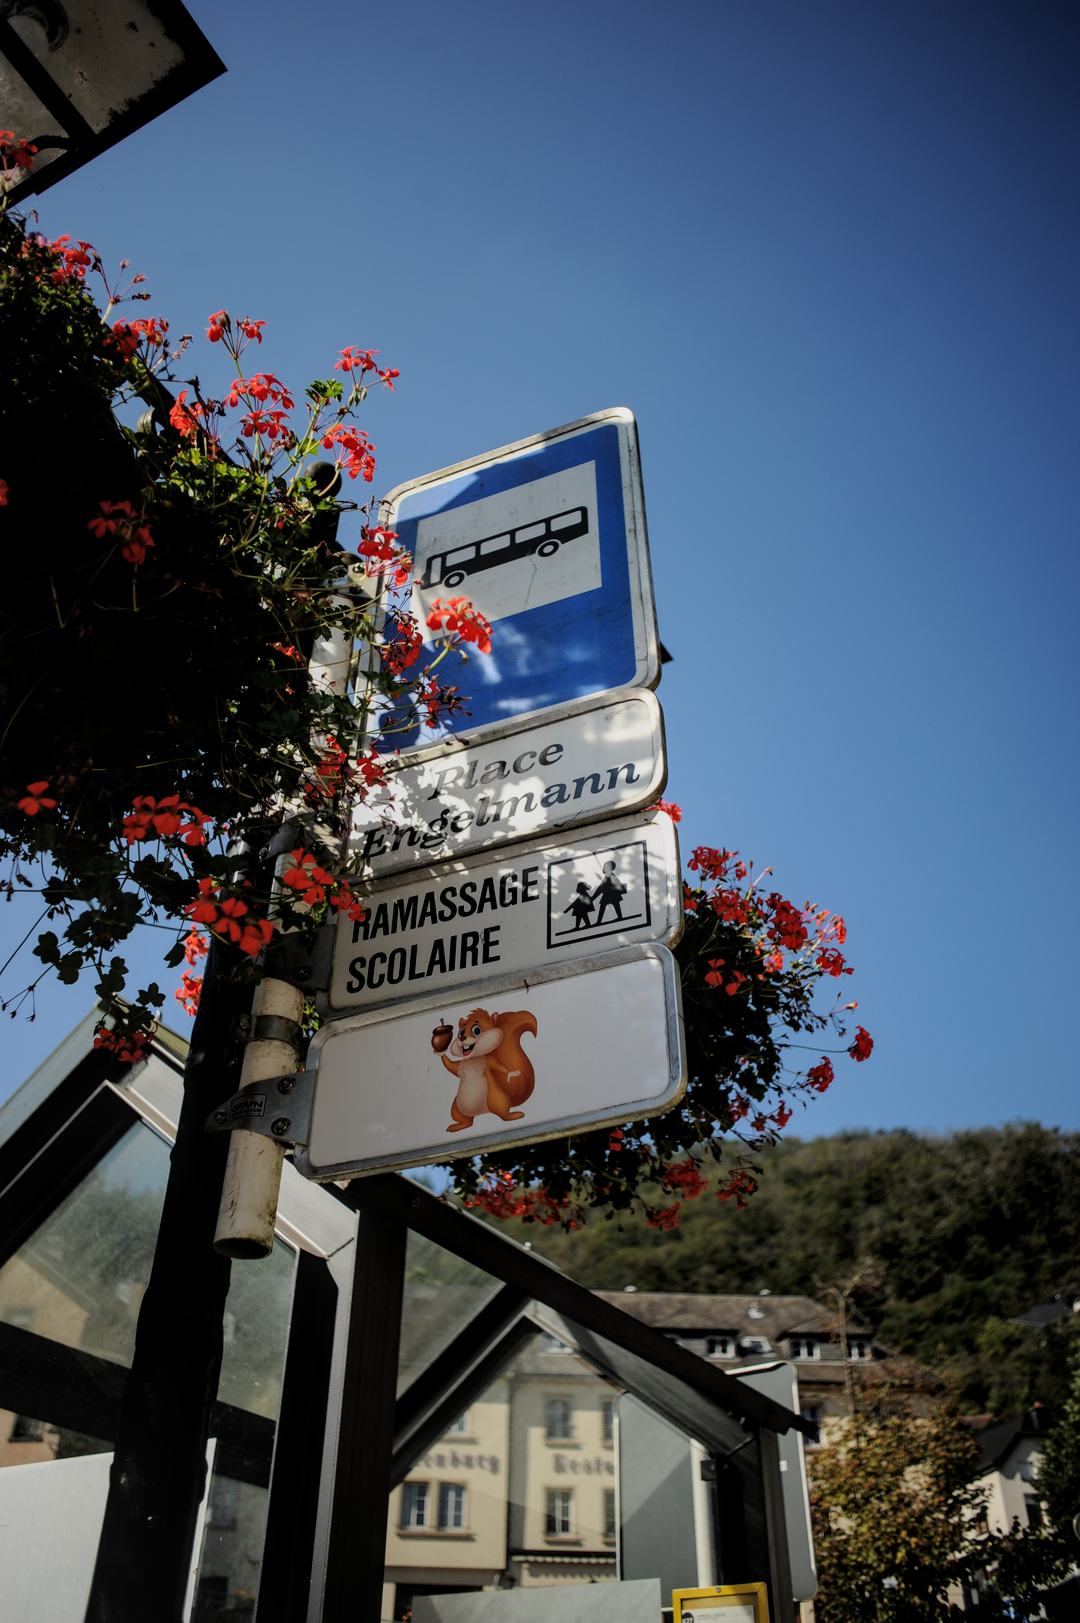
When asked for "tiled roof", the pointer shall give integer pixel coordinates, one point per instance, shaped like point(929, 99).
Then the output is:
point(996, 1443)
point(774, 1317)
point(1062, 1307)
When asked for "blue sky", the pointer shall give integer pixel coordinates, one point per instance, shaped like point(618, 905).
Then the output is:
point(829, 255)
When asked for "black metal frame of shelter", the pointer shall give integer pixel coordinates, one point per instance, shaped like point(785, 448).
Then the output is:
point(340, 1416)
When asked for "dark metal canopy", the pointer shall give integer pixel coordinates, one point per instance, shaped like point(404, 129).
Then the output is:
point(693, 1394)
point(77, 76)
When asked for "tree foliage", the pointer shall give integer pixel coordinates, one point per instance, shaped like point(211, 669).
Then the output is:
point(899, 1533)
point(1059, 1473)
point(959, 1241)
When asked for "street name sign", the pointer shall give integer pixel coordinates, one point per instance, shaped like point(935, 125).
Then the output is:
point(462, 796)
point(545, 1053)
point(542, 902)
point(547, 538)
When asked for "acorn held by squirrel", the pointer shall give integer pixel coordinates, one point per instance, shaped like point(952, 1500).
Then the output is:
point(442, 1037)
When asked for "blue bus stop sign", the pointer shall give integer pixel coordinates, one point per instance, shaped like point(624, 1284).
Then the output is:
point(547, 538)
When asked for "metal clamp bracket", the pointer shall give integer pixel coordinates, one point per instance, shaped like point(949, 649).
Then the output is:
point(279, 1108)
point(304, 959)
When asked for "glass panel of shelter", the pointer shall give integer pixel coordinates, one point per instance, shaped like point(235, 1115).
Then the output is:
point(443, 1294)
point(76, 1282)
point(519, 1490)
point(509, 1505)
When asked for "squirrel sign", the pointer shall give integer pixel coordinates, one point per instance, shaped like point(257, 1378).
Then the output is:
point(492, 1069)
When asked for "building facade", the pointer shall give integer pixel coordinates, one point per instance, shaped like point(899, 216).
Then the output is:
point(523, 1491)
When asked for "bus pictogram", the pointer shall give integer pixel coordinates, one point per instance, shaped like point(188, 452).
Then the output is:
point(542, 538)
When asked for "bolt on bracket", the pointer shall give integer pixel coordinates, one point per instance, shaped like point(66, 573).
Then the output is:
point(279, 1108)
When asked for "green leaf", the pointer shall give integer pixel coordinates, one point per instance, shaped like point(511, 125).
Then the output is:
point(321, 390)
point(48, 947)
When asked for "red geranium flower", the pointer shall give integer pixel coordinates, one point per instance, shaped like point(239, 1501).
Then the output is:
point(863, 1045)
point(458, 617)
point(35, 798)
point(820, 1077)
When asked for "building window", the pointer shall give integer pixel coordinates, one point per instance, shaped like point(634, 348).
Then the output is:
point(804, 1347)
point(414, 1504)
point(559, 1519)
point(460, 1426)
point(558, 1420)
point(859, 1348)
point(451, 1506)
point(607, 1421)
point(754, 1344)
point(720, 1347)
point(812, 1412)
point(609, 1512)
point(214, 1594)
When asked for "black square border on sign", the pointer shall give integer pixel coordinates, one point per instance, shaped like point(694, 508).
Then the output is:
point(609, 929)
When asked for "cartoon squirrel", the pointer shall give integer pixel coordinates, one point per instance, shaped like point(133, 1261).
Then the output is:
point(492, 1069)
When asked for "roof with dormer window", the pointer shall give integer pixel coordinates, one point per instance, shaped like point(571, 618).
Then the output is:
point(773, 1316)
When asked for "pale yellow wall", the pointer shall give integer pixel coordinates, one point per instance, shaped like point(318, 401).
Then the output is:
point(583, 1463)
point(507, 1464)
point(25, 1453)
point(477, 1459)
point(1012, 1490)
point(1007, 1501)
point(32, 1302)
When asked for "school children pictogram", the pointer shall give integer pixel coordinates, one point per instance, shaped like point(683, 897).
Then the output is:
point(598, 894)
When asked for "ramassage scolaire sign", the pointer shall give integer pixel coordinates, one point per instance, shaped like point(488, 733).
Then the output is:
point(570, 896)
point(462, 797)
point(525, 1057)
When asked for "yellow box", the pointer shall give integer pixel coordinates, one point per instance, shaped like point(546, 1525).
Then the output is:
point(739, 1603)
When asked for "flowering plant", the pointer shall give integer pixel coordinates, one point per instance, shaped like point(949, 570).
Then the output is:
point(751, 963)
point(168, 578)
point(168, 581)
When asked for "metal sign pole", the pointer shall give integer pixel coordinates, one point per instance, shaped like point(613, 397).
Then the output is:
point(249, 1196)
point(158, 1473)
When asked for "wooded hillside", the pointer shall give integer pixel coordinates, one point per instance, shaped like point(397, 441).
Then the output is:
point(952, 1237)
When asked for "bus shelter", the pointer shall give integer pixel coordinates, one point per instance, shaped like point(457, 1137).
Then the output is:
point(351, 1353)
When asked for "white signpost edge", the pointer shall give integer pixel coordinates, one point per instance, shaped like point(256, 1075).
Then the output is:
point(497, 731)
point(493, 987)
